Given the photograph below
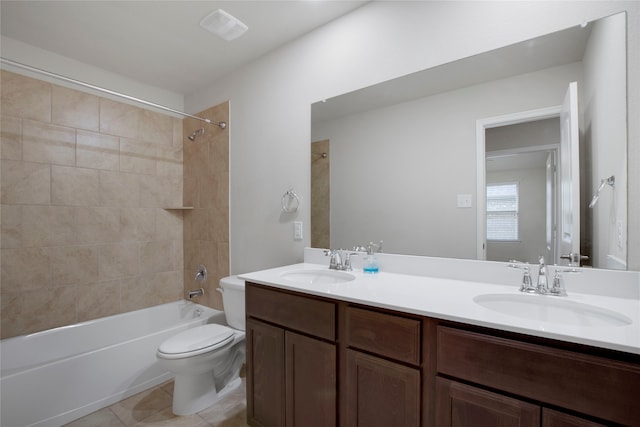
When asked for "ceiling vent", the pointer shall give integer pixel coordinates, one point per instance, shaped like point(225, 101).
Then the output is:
point(223, 25)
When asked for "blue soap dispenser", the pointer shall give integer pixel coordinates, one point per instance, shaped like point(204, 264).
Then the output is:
point(371, 265)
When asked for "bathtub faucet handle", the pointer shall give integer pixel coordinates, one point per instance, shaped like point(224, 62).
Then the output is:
point(201, 274)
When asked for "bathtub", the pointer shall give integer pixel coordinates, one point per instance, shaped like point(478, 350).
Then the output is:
point(53, 377)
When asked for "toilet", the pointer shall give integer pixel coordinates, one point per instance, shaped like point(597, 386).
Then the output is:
point(206, 359)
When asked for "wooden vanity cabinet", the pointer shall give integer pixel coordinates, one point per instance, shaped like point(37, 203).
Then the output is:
point(320, 362)
point(291, 359)
point(492, 376)
point(382, 379)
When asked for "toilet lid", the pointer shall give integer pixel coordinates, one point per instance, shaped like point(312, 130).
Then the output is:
point(208, 337)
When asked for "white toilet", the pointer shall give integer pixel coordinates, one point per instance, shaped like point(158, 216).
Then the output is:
point(206, 360)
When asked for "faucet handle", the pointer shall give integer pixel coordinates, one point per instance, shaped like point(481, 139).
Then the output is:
point(335, 259)
point(527, 282)
point(558, 289)
point(347, 261)
point(201, 274)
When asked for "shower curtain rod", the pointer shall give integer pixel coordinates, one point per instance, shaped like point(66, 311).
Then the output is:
point(222, 125)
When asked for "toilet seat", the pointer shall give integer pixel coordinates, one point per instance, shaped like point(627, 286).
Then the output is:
point(195, 341)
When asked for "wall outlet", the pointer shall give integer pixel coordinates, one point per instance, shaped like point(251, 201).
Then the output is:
point(464, 201)
point(297, 230)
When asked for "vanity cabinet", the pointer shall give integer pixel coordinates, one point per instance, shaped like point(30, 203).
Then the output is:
point(544, 375)
point(315, 361)
point(382, 380)
point(459, 404)
point(291, 359)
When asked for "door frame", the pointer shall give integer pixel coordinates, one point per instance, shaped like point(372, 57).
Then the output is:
point(481, 179)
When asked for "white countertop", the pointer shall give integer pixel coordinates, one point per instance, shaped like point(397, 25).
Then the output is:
point(449, 299)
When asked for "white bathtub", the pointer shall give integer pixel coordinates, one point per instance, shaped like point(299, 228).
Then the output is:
point(53, 377)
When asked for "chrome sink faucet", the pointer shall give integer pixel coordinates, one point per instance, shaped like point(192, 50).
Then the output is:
point(542, 283)
point(338, 260)
point(543, 280)
point(335, 259)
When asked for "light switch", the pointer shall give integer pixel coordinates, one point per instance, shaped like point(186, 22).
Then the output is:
point(464, 200)
point(297, 230)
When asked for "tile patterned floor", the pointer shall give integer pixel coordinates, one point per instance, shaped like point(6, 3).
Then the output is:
point(152, 408)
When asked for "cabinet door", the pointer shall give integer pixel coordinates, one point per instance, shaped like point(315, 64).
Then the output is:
point(460, 405)
point(381, 393)
point(265, 374)
point(310, 382)
point(551, 418)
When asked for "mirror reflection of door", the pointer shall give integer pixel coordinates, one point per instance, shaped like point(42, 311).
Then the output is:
point(522, 193)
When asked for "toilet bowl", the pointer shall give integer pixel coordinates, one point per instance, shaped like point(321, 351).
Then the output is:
point(206, 359)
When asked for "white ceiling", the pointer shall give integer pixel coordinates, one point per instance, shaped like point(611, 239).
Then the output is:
point(161, 42)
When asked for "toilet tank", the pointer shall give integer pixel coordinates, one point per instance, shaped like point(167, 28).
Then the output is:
point(233, 301)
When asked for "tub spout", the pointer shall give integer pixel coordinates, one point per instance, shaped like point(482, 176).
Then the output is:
point(196, 293)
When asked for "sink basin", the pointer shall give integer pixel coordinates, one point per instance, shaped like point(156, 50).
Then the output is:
point(551, 309)
point(317, 277)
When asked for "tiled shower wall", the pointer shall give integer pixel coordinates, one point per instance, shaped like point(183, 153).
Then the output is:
point(84, 184)
point(206, 189)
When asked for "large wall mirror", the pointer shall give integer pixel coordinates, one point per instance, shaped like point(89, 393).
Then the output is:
point(399, 161)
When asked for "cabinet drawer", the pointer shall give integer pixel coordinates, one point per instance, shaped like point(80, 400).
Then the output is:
point(384, 334)
point(592, 385)
point(298, 313)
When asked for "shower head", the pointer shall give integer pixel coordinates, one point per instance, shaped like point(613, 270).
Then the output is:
point(195, 134)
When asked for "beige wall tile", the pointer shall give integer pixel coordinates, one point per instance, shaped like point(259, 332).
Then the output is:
point(25, 183)
point(168, 224)
point(218, 224)
point(119, 119)
point(137, 224)
point(160, 191)
point(136, 293)
point(98, 225)
point(46, 143)
point(169, 161)
point(98, 300)
point(178, 131)
point(196, 157)
point(74, 108)
point(195, 225)
point(192, 258)
point(74, 225)
point(49, 308)
point(10, 138)
point(156, 128)
point(223, 259)
point(11, 226)
point(25, 97)
point(118, 260)
point(190, 195)
point(47, 226)
point(11, 318)
point(159, 256)
point(74, 186)
point(25, 268)
point(74, 265)
point(219, 153)
point(119, 189)
point(97, 151)
point(137, 157)
point(167, 286)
